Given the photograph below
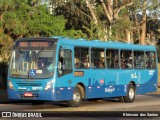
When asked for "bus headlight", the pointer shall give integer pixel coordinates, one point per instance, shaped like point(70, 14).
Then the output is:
point(10, 84)
point(48, 85)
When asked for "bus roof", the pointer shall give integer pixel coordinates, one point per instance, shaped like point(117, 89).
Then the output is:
point(101, 44)
point(92, 43)
point(38, 38)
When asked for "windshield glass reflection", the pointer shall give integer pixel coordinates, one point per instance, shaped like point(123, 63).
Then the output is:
point(32, 64)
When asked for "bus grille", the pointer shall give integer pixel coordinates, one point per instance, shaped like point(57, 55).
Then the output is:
point(33, 96)
point(29, 84)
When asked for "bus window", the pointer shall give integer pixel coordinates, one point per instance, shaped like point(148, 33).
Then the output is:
point(112, 58)
point(150, 60)
point(126, 59)
point(139, 59)
point(97, 58)
point(81, 57)
point(65, 62)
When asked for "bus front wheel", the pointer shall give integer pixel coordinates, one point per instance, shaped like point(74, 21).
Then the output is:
point(130, 94)
point(77, 98)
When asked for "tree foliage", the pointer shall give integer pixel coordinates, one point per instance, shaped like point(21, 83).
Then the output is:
point(122, 20)
point(28, 18)
point(112, 19)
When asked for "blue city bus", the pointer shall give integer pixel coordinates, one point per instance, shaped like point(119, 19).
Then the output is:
point(72, 70)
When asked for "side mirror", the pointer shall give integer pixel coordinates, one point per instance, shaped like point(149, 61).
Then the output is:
point(59, 67)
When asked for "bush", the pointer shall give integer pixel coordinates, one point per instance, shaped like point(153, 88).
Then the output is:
point(158, 52)
point(3, 75)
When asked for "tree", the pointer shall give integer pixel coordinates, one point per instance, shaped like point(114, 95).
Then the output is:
point(103, 14)
point(142, 12)
point(123, 20)
point(26, 18)
point(143, 22)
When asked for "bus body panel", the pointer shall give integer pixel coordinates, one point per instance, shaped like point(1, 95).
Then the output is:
point(34, 86)
point(97, 83)
point(101, 84)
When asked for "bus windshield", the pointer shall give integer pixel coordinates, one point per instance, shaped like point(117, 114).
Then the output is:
point(32, 63)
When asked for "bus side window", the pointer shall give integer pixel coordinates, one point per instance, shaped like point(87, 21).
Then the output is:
point(139, 60)
point(81, 58)
point(97, 58)
point(65, 62)
point(112, 58)
point(150, 60)
point(126, 59)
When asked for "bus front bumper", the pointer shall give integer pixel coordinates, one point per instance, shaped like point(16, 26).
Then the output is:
point(41, 95)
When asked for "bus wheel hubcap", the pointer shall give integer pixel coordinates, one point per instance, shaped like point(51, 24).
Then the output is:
point(76, 97)
point(131, 93)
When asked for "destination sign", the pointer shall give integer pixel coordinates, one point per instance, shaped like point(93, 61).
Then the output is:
point(35, 44)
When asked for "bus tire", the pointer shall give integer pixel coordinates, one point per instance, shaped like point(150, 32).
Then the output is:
point(130, 94)
point(77, 98)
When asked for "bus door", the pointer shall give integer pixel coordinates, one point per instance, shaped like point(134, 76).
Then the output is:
point(65, 73)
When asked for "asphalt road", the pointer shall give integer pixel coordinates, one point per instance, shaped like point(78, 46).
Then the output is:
point(147, 104)
point(96, 105)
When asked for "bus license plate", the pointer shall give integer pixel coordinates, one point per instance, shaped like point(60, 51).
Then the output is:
point(28, 94)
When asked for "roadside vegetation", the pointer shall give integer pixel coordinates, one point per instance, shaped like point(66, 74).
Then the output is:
point(159, 73)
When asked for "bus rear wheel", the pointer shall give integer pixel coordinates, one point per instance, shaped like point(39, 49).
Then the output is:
point(130, 94)
point(77, 98)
